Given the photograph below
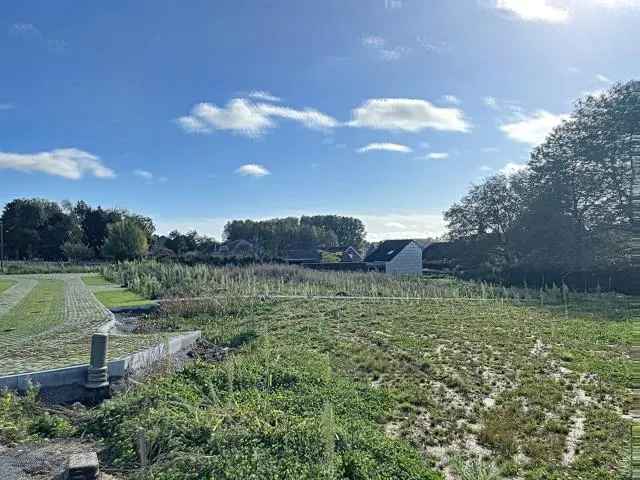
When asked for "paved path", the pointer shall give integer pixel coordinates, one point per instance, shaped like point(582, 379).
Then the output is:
point(81, 306)
point(59, 335)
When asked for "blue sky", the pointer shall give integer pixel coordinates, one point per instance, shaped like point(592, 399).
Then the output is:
point(202, 111)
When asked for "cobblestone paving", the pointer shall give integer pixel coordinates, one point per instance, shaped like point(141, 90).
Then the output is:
point(63, 337)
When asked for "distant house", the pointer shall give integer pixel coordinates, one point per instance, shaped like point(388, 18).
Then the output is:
point(344, 253)
point(350, 254)
point(237, 248)
point(438, 255)
point(399, 257)
point(297, 256)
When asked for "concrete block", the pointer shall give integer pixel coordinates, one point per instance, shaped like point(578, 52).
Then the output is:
point(83, 466)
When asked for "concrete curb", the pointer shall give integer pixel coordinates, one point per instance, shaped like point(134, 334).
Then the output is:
point(77, 374)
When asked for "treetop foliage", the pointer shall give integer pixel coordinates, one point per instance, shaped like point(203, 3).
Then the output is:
point(571, 209)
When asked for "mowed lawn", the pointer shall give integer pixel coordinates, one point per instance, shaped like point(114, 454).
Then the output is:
point(40, 310)
point(5, 284)
point(541, 391)
point(112, 295)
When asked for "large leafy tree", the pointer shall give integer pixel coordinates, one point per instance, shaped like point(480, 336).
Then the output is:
point(125, 240)
point(572, 209)
point(35, 228)
point(581, 181)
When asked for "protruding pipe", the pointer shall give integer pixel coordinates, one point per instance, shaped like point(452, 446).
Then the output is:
point(97, 375)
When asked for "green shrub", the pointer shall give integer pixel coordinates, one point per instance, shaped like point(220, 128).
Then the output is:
point(22, 418)
point(269, 413)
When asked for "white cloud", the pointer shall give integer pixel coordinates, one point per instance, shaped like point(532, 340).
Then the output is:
point(573, 70)
point(437, 155)
point(452, 99)
point(486, 168)
point(534, 10)
point(308, 117)
point(406, 114)
point(69, 163)
point(144, 174)
point(239, 116)
point(533, 129)
point(247, 118)
point(513, 168)
point(265, 96)
point(491, 102)
point(396, 225)
point(389, 147)
point(402, 225)
point(602, 78)
point(253, 170)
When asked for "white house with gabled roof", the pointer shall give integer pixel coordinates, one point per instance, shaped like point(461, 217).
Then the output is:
point(396, 257)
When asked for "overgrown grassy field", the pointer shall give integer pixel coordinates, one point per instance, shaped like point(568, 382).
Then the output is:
point(481, 382)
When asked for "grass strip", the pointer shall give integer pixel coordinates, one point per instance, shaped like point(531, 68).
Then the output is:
point(5, 284)
point(40, 310)
point(120, 298)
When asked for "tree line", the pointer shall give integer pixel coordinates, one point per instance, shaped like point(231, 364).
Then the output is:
point(276, 237)
point(35, 228)
point(40, 229)
point(570, 210)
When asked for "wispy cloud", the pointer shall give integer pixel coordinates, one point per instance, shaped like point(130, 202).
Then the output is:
point(437, 155)
point(409, 115)
point(144, 174)
point(25, 30)
point(29, 32)
point(389, 147)
point(431, 46)
point(265, 96)
point(148, 176)
point(513, 168)
point(378, 45)
point(69, 163)
point(534, 128)
point(452, 99)
point(253, 170)
point(602, 78)
point(491, 102)
point(373, 41)
point(247, 118)
point(534, 10)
